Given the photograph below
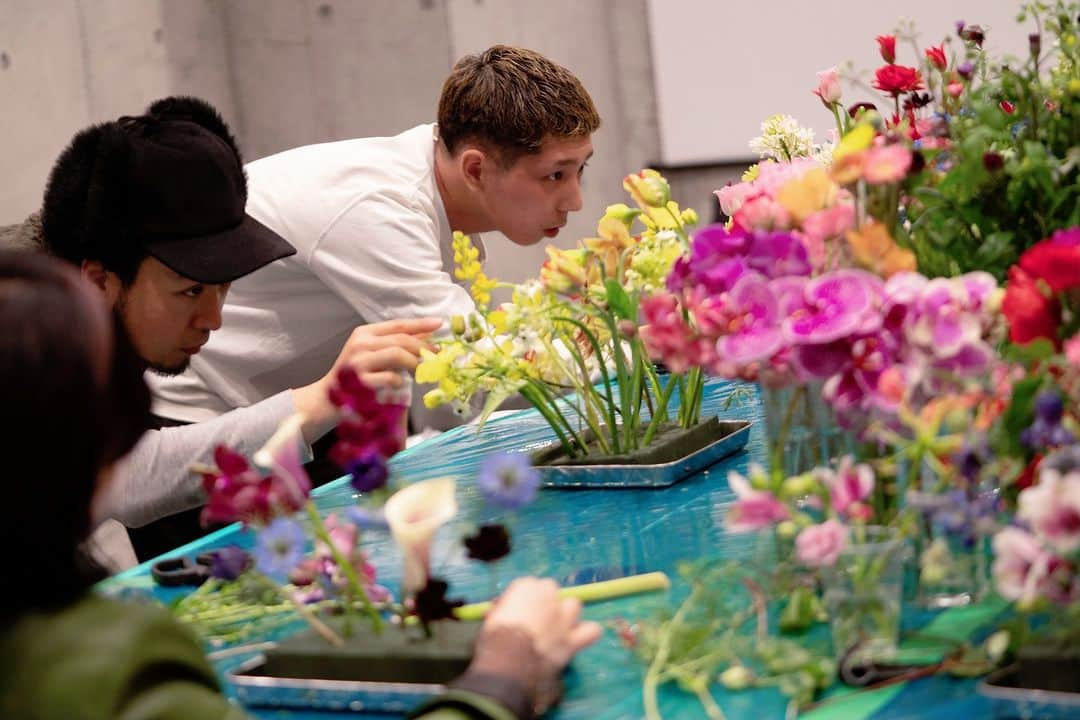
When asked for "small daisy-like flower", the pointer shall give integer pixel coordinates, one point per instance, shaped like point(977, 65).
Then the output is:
point(279, 547)
point(508, 480)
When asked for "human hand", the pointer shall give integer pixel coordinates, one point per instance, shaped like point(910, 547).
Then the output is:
point(382, 354)
point(530, 634)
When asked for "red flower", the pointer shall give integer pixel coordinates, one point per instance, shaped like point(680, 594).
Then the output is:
point(936, 56)
point(1031, 313)
point(1028, 476)
point(1007, 106)
point(887, 47)
point(1056, 263)
point(897, 79)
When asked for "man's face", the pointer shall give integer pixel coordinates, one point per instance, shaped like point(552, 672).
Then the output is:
point(531, 199)
point(168, 316)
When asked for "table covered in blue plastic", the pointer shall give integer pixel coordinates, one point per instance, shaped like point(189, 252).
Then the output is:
point(577, 536)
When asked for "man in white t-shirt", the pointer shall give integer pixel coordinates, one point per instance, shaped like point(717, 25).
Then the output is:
point(372, 222)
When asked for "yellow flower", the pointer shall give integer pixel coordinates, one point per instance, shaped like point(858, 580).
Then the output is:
point(621, 212)
point(873, 248)
point(855, 140)
point(434, 366)
point(689, 217)
point(614, 240)
point(564, 270)
point(498, 321)
point(648, 188)
point(804, 196)
point(481, 289)
point(752, 172)
point(466, 257)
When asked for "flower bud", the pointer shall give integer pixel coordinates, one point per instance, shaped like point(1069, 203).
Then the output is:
point(457, 324)
point(736, 677)
point(787, 529)
point(993, 161)
point(689, 217)
point(648, 188)
point(798, 486)
point(1035, 44)
point(627, 328)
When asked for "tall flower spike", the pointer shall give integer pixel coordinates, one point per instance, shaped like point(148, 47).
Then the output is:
point(414, 513)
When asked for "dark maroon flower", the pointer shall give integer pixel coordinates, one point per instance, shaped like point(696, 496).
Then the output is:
point(993, 161)
point(854, 110)
point(1035, 44)
point(918, 163)
point(973, 34)
point(490, 543)
point(431, 603)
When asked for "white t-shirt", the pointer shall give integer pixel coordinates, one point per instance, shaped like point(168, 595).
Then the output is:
point(373, 243)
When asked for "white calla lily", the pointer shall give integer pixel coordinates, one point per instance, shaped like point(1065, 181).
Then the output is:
point(414, 514)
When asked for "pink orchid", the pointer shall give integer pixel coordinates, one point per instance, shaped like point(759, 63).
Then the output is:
point(667, 336)
point(820, 545)
point(848, 487)
point(1052, 508)
point(1020, 566)
point(754, 509)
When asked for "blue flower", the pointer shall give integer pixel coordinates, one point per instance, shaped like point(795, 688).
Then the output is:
point(229, 562)
point(279, 547)
point(367, 519)
point(508, 480)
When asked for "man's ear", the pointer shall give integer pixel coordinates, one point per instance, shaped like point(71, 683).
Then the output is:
point(104, 280)
point(473, 163)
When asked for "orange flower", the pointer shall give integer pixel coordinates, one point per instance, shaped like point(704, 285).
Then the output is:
point(873, 248)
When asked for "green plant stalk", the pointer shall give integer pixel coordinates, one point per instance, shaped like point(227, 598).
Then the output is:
point(637, 389)
point(591, 337)
point(657, 418)
point(316, 624)
point(663, 649)
point(621, 371)
point(776, 451)
point(542, 399)
point(590, 592)
point(346, 568)
point(690, 403)
point(585, 392)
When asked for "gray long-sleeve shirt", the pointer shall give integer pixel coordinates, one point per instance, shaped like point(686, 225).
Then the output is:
point(155, 481)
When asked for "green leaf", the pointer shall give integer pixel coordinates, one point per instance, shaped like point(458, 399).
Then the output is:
point(619, 301)
point(1018, 416)
point(1028, 353)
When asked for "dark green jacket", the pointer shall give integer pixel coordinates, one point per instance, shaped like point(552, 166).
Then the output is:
point(101, 659)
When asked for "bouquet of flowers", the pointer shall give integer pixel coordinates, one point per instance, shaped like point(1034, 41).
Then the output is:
point(328, 572)
point(576, 329)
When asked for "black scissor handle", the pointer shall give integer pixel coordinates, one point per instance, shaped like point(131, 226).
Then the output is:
point(179, 571)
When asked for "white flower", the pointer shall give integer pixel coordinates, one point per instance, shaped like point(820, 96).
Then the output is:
point(414, 513)
point(1052, 508)
point(783, 139)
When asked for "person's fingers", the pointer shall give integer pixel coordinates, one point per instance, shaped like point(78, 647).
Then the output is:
point(569, 611)
point(385, 379)
point(391, 358)
point(411, 326)
point(367, 343)
point(583, 635)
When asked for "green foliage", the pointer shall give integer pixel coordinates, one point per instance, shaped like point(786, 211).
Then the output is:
point(963, 213)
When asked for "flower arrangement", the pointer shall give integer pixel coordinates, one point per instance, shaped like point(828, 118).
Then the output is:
point(576, 329)
point(319, 568)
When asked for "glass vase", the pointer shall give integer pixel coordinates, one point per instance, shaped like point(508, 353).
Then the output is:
point(863, 592)
point(801, 428)
point(951, 552)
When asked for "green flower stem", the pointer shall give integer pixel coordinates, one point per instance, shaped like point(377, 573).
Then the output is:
point(595, 343)
point(345, 566)
point(708, 703)
point(590, 592)
point(776, 451)
point(553, 405)
point(621, 371)
point(316, 624)
point(663, 649)
point(592, 405)
point(658, 417)
point(534, 393)
point(835, 107)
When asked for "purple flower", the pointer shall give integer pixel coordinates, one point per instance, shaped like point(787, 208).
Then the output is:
point(368, 471)
point(838, 304)
point(755, 329)
point(279, 547)
point(1047, 431)
point(508, 480)
point(778, 254)
point(229, 562)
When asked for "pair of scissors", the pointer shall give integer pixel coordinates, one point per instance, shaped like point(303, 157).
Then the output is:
point(182, 571)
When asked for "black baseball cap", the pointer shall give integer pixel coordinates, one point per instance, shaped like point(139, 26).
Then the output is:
point(169, 184)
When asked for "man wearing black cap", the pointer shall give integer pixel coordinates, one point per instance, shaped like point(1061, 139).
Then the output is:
point(151, 208)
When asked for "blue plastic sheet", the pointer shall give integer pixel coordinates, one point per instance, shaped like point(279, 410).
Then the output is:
point(578, 536)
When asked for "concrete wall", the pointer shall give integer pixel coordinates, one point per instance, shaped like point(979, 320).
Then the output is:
point(292, 72)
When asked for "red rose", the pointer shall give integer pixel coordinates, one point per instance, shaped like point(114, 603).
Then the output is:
point(887, 47)
point(1007, 106)
point(1031, 313)
point(936, 56)
point(897, 79)
point(1057, 263)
